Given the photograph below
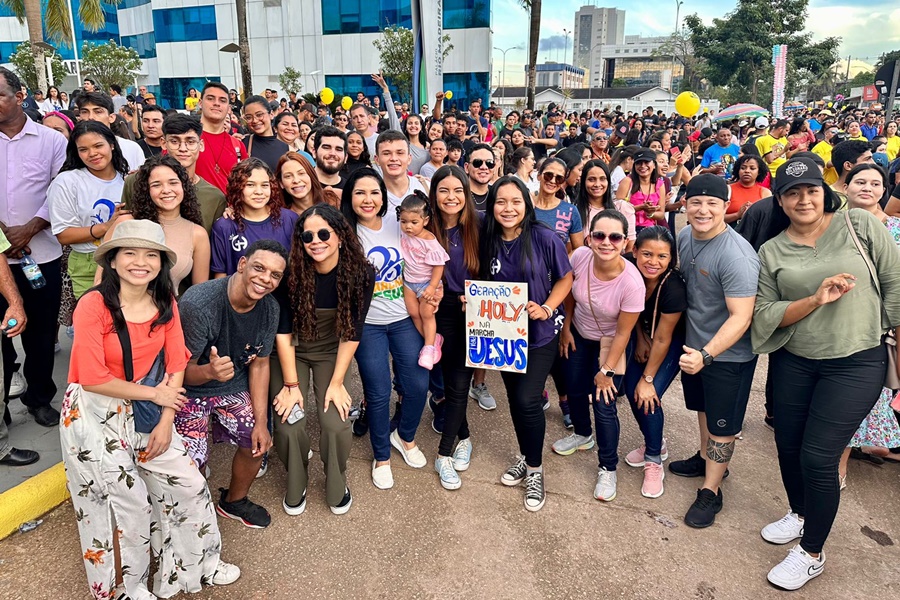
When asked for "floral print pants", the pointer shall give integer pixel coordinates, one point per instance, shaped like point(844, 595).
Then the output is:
point(161, 506)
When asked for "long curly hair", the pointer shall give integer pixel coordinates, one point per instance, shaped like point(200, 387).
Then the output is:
point(142, 206)
point(354, 273)
point(234, 192)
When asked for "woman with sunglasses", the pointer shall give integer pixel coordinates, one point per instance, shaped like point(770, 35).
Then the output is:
point(606, 300)
point(342, 122)
point(516, 248)
point(654, 351)
point(595, 195)
point(459, 223)
point(388, 332)
point(645, 190)
point(329, 273)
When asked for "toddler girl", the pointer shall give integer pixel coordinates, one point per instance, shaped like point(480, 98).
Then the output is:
point(423, 267)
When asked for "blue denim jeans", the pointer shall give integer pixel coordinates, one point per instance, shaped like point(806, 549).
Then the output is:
point(377, 346)
point(651, 425)
point(583, 365)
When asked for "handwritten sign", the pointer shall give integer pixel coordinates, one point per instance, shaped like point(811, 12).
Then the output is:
point(496, 325)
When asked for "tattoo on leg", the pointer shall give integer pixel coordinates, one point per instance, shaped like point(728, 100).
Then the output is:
point(720, 452)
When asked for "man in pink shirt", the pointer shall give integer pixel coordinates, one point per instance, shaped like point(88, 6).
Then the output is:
point(30, 157)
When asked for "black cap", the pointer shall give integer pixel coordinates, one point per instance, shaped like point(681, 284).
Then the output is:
point(797, 171)
point(707, 184)
point(622, 130)
point(706, 132)
point(645, 155)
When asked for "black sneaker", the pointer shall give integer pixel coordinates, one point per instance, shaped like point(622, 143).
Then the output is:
point(438, 409)
point(534, 491)
point(704, 509)
point(243, 510)
point(769, 422)
point(344, 505)
point(515, 474)
point(398, 412)
point(694, 466)
point(360, 426)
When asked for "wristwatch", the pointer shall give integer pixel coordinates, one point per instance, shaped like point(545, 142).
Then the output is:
point(607, 372)
point(707, 357)
point(648, 378)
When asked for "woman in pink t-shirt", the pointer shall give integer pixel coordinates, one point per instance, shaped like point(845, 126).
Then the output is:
point(646, 191)
point(606, 300)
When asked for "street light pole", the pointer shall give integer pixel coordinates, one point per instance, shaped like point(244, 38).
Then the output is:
point(591, 66)
point(678, 4)
point(503, 77)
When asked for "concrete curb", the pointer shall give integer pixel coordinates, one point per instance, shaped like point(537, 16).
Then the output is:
point(33, 498)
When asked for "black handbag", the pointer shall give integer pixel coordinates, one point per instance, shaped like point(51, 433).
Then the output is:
point(146, 413)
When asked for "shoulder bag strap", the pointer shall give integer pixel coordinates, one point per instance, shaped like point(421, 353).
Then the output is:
point(863, 252)
point(656, 304)
point(249, 144)
point(125, 341)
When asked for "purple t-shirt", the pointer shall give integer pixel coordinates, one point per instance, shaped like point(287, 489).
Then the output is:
point(455, 271)
point(229, 242)
point(548, 264)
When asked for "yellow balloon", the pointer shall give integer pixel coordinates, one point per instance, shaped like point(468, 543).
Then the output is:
point(448, 95)
point(687, 104)
point(326, 95)
point(830, 104)
point(346, 102)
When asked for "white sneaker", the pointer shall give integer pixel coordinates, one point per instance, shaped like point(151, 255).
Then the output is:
point(462, 455)
point(413, 456)
point(783, 531)
point(382, 476)
point(572, 443)
point(18, 385)
point(794, 571)
point(226, 573)
point(294, 510)
point(605, 489)
point(449, 477)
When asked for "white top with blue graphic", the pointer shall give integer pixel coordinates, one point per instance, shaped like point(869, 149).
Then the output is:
point(79, 199)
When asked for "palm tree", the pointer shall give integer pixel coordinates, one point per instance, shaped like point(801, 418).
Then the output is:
point(240, 8)
point(534, 36)
point(56, 20)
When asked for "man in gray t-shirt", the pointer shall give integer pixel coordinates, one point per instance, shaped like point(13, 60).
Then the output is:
point(229, 329)
point(721, 271)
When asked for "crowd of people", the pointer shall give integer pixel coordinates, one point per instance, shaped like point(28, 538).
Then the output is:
point(225, 267)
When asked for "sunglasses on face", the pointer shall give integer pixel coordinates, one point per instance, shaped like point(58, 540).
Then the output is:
point(553, 178)
point(307, 237)
point(478, 163)
point(600, 138)
point(614, 237)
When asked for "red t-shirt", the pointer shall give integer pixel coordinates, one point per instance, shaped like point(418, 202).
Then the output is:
point(97, 353)
point(220, 153)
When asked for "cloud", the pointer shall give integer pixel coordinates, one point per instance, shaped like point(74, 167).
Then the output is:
point(554, 42)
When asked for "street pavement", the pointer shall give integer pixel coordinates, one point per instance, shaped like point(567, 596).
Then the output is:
point(421, 541)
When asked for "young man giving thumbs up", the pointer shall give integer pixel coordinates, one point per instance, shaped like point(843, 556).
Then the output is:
point(229, 328)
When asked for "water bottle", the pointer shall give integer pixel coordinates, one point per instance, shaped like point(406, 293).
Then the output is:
point(32, 272)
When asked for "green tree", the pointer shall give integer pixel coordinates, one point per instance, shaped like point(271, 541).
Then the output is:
point(679, 46)
point(886, 58)
point(23, 61)
point(534, 37)
point(737, 49)
point(110, 63)
point(289, 81)
point(397, 48)
point(53, 15)
point(618, 82)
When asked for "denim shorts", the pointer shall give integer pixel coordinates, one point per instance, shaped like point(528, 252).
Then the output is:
point(417, 287)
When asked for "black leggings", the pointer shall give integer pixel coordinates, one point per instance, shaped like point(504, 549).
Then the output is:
point(451, 323)
point(525, 403)
point(819, 404)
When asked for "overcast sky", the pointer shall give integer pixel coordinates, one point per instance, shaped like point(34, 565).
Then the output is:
point(867, 28)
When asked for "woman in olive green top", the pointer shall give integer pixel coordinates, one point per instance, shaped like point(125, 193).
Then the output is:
point(820, 315)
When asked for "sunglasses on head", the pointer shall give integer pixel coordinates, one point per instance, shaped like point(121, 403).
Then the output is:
point(307, 237)
point(549, 177)
point(478, 163)
point(614, 237)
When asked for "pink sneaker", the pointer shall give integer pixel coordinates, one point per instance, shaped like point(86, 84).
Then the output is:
point(635, 458)
point(438, 342)
point(426, 357)
point(653, 480)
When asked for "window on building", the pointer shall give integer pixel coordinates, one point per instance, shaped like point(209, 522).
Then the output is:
point(463, 14)
point(173, 90)
point(364, 16)
point(143, 43)
point(187, 24)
